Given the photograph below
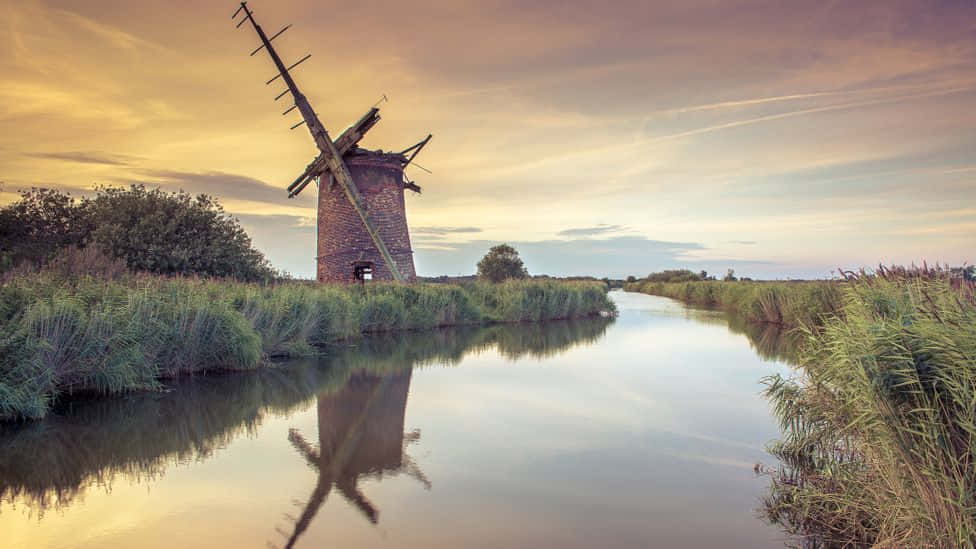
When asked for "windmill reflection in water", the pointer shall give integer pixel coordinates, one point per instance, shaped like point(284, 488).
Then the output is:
point(361, 434)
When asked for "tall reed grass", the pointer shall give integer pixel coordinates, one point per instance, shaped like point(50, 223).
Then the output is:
point(789, 304)
point(46, 464)
point(65, 334)
point(879, 424)
point(879, 430)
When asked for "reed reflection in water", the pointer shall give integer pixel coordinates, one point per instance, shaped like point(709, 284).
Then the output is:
point(47, 464)
point(636, 432)
point(770, 341)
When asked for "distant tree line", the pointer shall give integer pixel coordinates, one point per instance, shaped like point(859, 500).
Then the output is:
point(685, 275)
point(677, 275)
point(965, 273)
point(151, 230)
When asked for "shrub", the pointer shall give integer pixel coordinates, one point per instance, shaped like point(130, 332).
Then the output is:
point(501, 263)
point(149, 230)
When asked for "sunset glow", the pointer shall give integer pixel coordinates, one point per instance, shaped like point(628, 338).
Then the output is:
point(778, 139)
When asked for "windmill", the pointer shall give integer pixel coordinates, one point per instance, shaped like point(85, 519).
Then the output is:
point(362, 228)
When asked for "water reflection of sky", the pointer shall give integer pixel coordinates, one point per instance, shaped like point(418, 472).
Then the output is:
point(643, 438)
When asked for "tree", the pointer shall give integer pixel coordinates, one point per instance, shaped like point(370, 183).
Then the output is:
point(151, 230)
point(673, 275)
point(967, 273)
point(501, 263)
point(631, 278)
point(173, 233)
point(730, 276)
point(42, 222)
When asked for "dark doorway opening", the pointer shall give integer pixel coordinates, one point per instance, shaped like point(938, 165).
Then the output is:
point(362, 271)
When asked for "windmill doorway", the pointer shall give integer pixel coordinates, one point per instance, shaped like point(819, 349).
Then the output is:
point(362, 271)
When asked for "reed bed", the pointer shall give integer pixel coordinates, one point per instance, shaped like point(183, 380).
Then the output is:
point(879, 429)
point(46, 465)
point(788, 304)
point(879, 422)
point(62, 335)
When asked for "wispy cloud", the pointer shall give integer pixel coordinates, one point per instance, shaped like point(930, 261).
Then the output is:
point(110, 34)
point(224, 186)
point(790, 97)
point(803, 112)
point(598, 230)
point(82, 157)
point(443, 231)
point(749, 102)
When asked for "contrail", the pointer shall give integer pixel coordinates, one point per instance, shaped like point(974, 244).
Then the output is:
point(960, 170)
point(749, 121)
point(780, 98)
point(745, 102)
point(770, 117)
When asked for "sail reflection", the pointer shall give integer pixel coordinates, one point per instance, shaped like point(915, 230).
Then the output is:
point(361, 434)
point(361, 387)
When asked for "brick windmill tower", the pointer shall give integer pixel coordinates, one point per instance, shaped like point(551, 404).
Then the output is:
point(362, 221)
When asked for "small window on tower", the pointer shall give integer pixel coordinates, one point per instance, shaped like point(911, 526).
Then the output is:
point(363, 271)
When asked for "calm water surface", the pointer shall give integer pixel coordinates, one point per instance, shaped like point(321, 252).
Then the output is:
point(640, 432)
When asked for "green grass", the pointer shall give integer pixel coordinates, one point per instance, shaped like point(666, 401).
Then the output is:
point(879, 423)
point(61, 335)
point(788, 304)
point(45, 465)
point(879, 430)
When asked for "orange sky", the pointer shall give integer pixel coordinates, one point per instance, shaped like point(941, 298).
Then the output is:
point(778, 138)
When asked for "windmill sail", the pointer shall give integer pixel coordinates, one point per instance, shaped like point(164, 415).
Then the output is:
point(330, 154)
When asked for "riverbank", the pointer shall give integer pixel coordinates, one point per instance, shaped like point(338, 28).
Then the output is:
point(878, 434)
point(142, 434)
point(878, 426)
point(63, 335)
point(786, 304)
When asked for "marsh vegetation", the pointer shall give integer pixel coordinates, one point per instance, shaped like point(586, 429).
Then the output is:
point(531, 431)
point(62, 334)
point(47, 464)
point(879, 424)
point(787, 304)
point(879, 432)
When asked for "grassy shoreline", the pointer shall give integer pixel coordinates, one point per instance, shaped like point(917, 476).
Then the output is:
point(142, 434)
point(879, 431)
point(878, 445)
point(786, 304)
point(62, 335)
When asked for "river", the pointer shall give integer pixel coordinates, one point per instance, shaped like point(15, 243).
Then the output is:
point(641, 431)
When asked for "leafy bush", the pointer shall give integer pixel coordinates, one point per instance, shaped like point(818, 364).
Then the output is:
point(501, 263)
point(42, 222)
point(149, 230)
point(173, 233)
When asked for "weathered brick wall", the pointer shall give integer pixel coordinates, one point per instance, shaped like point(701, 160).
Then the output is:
point(342, 238)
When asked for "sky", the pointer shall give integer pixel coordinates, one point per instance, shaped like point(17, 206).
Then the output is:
point(777, 138)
